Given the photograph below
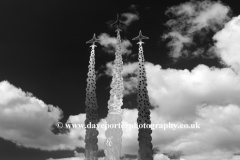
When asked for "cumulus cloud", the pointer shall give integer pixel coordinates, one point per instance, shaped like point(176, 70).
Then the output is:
point(71, 158)
point(26, 120)
point(187, 88)
point(191, 142)
point(215, 155)
point(201, 143)
point(227, 43)
point(186, 143)
point(110, 44)
point(174, 154)
point(205, 143)
point(160, 157)
point(191, 18)
point(209, 96)
point(213, 116)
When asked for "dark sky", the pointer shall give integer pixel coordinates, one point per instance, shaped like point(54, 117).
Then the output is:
point(43, 50)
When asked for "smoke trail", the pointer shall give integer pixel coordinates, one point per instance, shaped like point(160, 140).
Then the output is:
point(144, 135)
point(91, 111)
point(113, 142)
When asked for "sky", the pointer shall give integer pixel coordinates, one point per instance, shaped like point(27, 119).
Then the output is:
point(192, 63)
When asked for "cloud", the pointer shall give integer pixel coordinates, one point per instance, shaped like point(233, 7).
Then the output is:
point(160, 157)
point(205, 143)
point(177, 42)
point(106, 40)
point(216, 155)
point(71, 158)
point(27, 121)
point(187, 88)
point(209, 96)
point(201, 143)
point(191, 142)
point(235, 158)
point(193, 21)
point(130, 156)
point(129, 18)
point(130, 85)
point(78, 156)
point(129, 82)
point(212, 13)
point(134, 8)
point(227, 43)
point(110, 44)
point(174, 154)
point(219, 114)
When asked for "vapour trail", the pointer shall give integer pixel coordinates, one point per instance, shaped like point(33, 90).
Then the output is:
point(145, 151)
point(91, 147)
point(113, 142)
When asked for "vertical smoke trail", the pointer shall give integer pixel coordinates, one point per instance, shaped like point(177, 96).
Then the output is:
point(144, 135)
point(113, 142)
point(91, 140)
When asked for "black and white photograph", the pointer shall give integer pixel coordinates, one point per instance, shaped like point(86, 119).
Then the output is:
point(119, 80)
